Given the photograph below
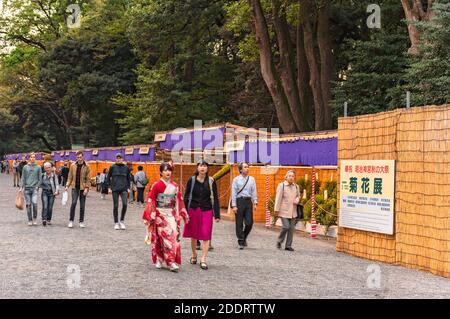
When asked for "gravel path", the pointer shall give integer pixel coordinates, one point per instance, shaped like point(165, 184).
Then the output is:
point(36, 262)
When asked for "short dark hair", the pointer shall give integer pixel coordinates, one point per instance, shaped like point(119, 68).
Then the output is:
point(240, 165)
point(165, 166)
point(140, 168)
point(79, 153)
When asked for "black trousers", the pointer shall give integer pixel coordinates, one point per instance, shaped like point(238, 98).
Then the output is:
point(77, 193)
point(244, 219)
point(140, 196)
point(124, 197)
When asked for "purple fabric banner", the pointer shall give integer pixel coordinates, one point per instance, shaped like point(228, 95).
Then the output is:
point(320, 152)
point(11, 157)
point(204, 139)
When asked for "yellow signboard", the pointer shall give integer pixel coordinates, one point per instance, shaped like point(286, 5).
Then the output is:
point(367, 195)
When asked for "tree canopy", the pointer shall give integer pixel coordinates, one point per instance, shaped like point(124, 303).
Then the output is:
point(135, 67)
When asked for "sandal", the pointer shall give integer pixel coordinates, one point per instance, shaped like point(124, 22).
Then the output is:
point(203, 265)
point(193, 260)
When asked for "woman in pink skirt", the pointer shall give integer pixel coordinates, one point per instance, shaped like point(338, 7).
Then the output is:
point(202, 202)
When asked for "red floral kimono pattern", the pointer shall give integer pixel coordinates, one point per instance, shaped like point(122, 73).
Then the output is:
point(163, 212)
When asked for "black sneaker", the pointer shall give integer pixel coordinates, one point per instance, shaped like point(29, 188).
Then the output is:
point(289, 249)
point(44, 223)
point(278, 245)
point(241, 247)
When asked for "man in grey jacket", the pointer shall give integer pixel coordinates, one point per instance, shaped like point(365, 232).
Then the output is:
point(141, 181)
point(30, 183)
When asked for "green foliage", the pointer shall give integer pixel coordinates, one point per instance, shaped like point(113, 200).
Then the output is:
point(182, 76)
point(377, 65)
point(307, 184)
point(135, 67)
point(322, 213)
point(429, 76)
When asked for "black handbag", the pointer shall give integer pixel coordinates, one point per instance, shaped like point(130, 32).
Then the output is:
point(300, 214)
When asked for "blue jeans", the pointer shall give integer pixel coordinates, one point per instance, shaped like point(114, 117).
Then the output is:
point(48, 199)
point(77, 193)
point(31, 199)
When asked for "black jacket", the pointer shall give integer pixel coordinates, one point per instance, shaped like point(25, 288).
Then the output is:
point(201, 196)
point(119, 177)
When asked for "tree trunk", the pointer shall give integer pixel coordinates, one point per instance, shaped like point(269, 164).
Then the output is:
point(415, 14)
point(307, 20)
point(268, 70)
point(326, 60)
point(287, 67)
point(303, 78)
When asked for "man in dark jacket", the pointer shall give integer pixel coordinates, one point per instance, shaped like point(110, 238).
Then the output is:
point(64, 173)
point(119, 177)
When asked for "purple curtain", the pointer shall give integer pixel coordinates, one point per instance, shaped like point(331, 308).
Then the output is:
point(300, 152)
point(206, 139)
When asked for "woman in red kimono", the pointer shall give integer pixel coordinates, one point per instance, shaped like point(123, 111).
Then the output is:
point(163, 212)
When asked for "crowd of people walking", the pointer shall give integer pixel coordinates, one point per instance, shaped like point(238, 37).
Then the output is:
point(164, 207)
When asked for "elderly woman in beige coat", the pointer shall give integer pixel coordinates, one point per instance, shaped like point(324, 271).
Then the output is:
point(286, 200)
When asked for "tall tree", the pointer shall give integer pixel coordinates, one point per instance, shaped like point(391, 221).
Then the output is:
point(298, 65)
point(416, 11)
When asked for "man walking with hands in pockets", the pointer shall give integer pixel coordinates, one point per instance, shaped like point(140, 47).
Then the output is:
point(79, 180)
point(244, 200)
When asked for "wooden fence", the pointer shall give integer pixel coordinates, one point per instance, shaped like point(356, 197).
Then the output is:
point(419, 140)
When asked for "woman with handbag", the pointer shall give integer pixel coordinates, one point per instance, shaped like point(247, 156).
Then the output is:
point(286, 201)
point(104, 183)
point(202, 202)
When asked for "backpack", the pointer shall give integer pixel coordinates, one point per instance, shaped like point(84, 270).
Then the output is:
point(143, 181)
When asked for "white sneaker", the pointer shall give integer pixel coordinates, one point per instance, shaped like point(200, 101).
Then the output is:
point(70, 225)
point(34, 222)
point(158, 264)
point(82, 225)
point(30, 223)
point(117, 226)
point(122, 225)
point(174, 267)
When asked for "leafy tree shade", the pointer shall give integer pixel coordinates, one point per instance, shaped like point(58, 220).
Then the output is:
point(135, 67)
point(182, 76)
point(376, 68)
point(429, 75)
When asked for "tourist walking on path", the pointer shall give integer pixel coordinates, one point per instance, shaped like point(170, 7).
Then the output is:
point(16, 174)
point(104, 183)
point(119, 179)
point(22, 164)
point(50, 190)
point(286, 201)
point(30, 183)
point(133, 188)
point(64, 172)
point(244, 200)
point(79, 181)
point(98, 185)
point(163, 212)
point(141, 181)
point(202, 202)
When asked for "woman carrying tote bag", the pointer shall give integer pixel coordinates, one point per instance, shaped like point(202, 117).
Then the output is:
point(286, 202)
